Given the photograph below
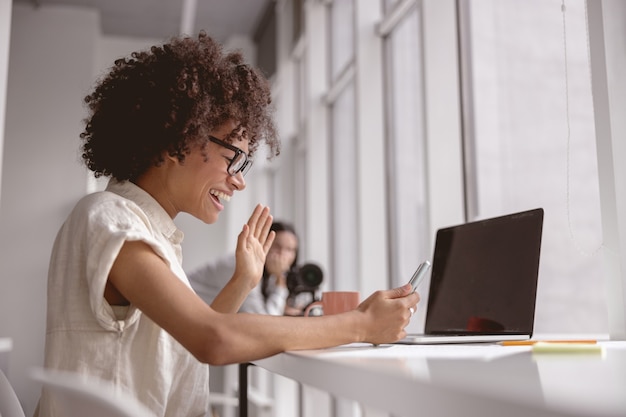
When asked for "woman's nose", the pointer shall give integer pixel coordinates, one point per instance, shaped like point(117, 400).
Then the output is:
point(238, 181)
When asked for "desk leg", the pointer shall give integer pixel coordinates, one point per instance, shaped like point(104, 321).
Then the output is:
point(243, 389)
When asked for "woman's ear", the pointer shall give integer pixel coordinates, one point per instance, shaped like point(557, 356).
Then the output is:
point(170, 158)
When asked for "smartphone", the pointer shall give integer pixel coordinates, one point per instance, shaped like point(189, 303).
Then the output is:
point(419, 275)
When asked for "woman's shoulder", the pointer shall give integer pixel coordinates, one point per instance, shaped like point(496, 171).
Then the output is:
point(116, 192)
point(105, 207)
point(99, 197)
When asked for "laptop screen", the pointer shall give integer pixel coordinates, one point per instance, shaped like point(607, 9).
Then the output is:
point(484, 276)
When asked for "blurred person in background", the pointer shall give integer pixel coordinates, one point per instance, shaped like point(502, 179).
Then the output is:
point(272, 295)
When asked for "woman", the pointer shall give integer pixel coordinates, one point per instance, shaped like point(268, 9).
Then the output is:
point(281, 259)
point(175, 128)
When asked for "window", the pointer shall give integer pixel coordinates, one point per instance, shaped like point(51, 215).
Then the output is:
point(341, 100)
point(407, 210)
point(530, 142)
point(344, 211)
point(265, 41)
point(341, 35)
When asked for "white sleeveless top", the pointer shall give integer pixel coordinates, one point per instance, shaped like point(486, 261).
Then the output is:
point(120, 345)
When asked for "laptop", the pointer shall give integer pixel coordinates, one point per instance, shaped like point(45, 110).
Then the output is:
point(483, 283)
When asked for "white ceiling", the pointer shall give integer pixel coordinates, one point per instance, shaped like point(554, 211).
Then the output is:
point(162, 19)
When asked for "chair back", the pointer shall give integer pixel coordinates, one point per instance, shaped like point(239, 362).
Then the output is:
point(9, 403)
point(80, 396)
point(6, 345)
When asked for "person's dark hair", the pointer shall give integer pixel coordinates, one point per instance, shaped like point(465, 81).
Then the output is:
point(167, 99)
point(279, 227)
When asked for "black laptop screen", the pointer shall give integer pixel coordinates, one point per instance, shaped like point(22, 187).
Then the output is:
point(484, 276)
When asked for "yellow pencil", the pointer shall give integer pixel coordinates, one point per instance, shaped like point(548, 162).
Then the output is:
point(532, 342)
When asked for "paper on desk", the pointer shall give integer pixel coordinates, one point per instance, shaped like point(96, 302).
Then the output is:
point(569, 348)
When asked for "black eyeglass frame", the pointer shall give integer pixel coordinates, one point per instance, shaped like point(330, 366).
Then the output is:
point(247, 163)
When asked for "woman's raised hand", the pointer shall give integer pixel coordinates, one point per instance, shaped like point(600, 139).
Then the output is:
point(253, 243)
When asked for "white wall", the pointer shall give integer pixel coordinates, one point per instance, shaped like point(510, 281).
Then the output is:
point(42, 177)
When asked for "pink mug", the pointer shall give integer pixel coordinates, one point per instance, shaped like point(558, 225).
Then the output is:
point(335, 302)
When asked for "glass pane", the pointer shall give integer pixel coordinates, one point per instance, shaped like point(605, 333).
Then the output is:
point(300, 88)
point(390, 4)
point(409, 221)
point(299, 201)
point(344, 192)
point(341, 35)
point(533, 145)
point(299, 157)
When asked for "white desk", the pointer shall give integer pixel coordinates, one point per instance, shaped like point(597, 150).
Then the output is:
point(468, 380)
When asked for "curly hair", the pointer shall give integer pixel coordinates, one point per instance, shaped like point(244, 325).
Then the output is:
point(168, 98)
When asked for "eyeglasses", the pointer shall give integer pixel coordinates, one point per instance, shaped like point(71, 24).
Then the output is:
point(239, 163)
